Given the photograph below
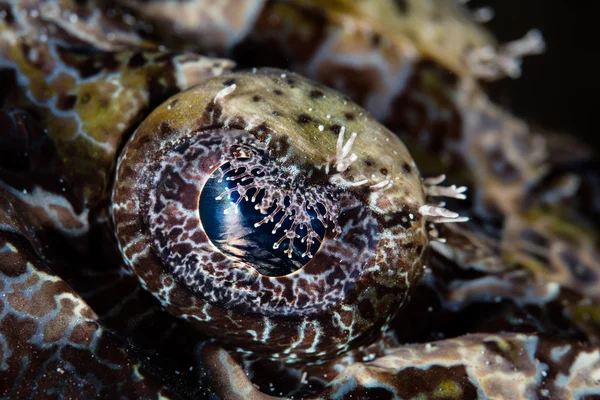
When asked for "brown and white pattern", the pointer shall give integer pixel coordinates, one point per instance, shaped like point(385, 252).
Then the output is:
point(78, 79)
point(355, 279)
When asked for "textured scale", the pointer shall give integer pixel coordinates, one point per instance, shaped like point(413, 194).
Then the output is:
point(174, 226)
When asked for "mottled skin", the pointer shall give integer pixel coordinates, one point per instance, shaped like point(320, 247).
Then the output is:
point(80, 79)
point(52, 344)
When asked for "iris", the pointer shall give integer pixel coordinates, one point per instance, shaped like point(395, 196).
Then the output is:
point(234, 227)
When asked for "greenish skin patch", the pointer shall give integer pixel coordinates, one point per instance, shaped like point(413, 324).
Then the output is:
point(297, 109)
point(110, 107)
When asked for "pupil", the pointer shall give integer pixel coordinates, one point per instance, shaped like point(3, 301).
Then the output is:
point(232, 228)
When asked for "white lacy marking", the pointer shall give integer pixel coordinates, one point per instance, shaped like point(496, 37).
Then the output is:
point(224, 92)
point(492, 63)
point(342, 161)
point(441, 215)
point(432, 188)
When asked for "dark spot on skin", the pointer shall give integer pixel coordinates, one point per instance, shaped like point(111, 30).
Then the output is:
point(581, 271)
point(436, 15)
point(365, 392)
point(214, 109)
point(275, 113)
point(110, 62)
point(217, 257)
point(531, 236)
point(366, 309)
point(173, 103)
point(369, 162)
point(401, 218)
point(260, 132)
point(349, 116)
point(137, 60)
point(267, 296)
point(229, 82)
point(66, 102)
point(383, 171)
point(406, 168)
point(85, 98)
point(290, 81)
point(402, 6)
point(336, 129)
point(237, 123)
point(179, 298)
point(278, 92)
point(376, 40)
point(165, 57)
point(8, 15)
point(316, 94)
point(304, 119)
point(256, 99)
point(280, 146)
point(18, 128)
point(165, 129)
point(502, 168)
point(88, 67)
point(302, 299)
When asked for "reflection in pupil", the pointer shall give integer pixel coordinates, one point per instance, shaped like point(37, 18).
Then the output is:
point(231, 228)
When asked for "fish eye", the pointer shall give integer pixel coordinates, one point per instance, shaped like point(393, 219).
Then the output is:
point(252, 213)
point(258, 211)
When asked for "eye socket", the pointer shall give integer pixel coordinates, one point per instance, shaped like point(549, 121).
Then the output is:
point(348, 193)
point(254, 213)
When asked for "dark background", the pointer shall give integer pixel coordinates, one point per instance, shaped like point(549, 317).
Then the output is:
point(560, 89)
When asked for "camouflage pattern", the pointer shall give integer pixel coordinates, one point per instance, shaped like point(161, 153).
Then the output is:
point(504, 305)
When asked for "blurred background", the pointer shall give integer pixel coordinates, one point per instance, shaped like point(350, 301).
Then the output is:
point(561, 88)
